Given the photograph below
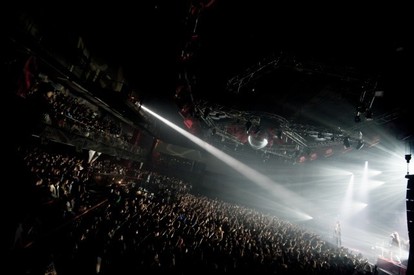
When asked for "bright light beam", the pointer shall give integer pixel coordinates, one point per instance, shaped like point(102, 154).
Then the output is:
point(347, 201)
point(280, 192)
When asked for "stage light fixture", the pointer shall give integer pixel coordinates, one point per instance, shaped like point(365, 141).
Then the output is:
point(257, 143)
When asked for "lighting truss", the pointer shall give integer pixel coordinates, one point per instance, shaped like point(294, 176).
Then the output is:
point(269, 64)
point(252, 73)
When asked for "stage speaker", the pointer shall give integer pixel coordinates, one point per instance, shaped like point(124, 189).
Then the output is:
point(410, 221)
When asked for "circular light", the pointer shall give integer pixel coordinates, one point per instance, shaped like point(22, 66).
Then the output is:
point(256, 143)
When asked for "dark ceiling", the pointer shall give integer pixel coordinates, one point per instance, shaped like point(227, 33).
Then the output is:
point(308, 65)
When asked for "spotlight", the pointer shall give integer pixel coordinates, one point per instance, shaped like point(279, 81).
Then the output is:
point(256, 143)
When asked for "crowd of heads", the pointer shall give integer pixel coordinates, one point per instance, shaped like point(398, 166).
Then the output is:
point(154, 222)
